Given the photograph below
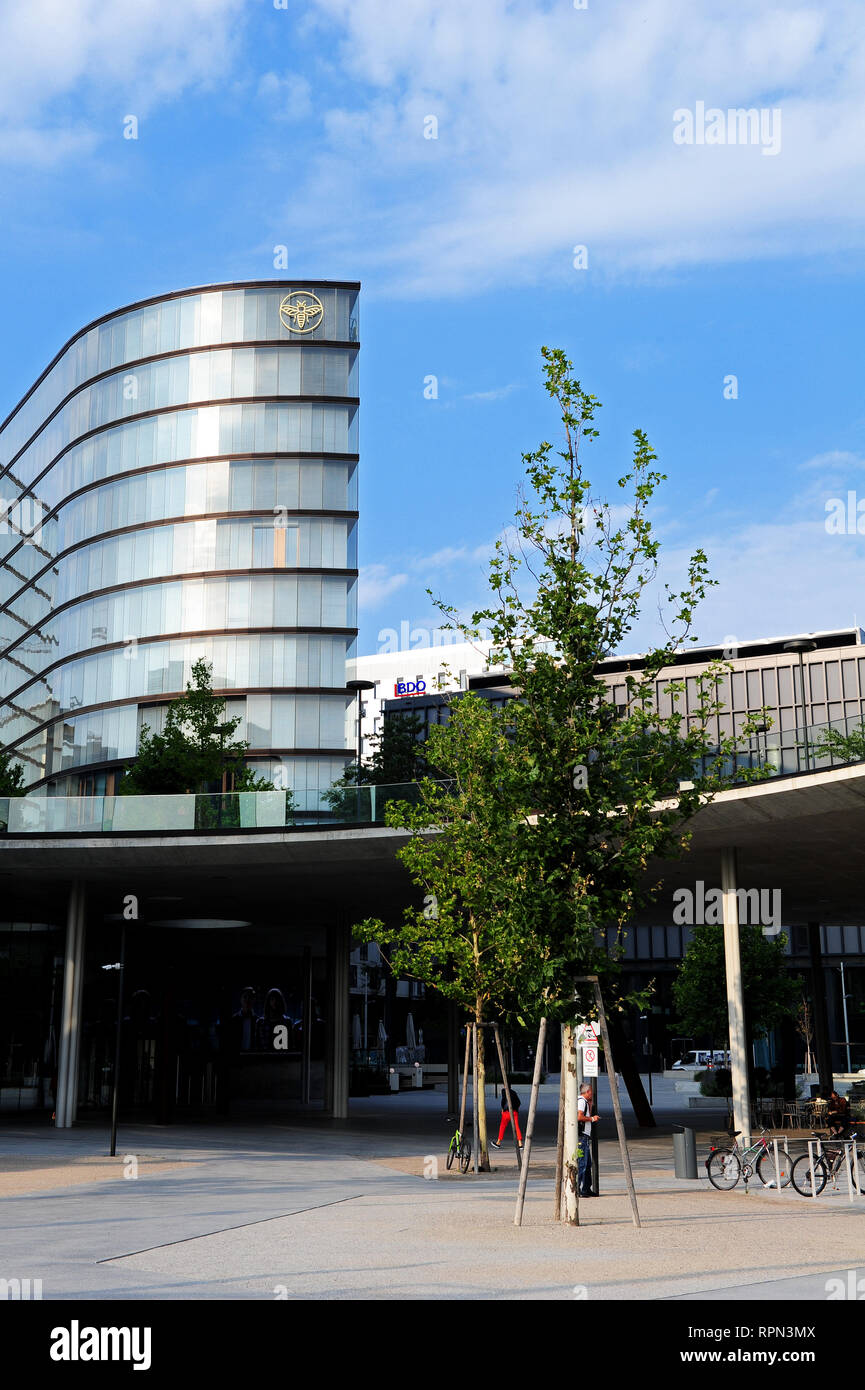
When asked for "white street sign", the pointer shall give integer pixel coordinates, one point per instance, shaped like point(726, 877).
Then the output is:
point(590, 1060)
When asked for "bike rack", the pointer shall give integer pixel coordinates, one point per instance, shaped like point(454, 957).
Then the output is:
point(851, 1165)
point(778, 1162)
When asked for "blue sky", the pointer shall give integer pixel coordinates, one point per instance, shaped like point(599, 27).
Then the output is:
point(305, 126)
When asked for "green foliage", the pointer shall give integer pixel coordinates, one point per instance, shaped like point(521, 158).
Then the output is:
point(700, 988)
point(11, 775)
point(195, 749)
point(461, 939)
point(593, 791)
point(397, 758)
point(842, 747)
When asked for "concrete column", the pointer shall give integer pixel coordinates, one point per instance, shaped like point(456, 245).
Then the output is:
point(336, 1085)
point(306, 1039)
point(75, 1052)
point(822, 1046)
point(735, 998)
point(67, 1063)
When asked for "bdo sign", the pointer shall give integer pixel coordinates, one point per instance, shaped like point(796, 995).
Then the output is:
point(409, 688)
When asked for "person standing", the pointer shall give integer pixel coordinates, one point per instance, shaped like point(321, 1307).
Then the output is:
point(585, 1120)
point(509, 1115)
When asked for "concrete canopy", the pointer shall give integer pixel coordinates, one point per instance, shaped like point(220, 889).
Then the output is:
point(803, 835)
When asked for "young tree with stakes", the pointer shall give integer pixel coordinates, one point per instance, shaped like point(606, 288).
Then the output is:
point(581, 794)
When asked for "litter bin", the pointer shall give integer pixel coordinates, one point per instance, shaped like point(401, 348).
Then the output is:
point(685, 1152)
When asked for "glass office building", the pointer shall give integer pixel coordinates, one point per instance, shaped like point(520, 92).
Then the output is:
point(181, 482)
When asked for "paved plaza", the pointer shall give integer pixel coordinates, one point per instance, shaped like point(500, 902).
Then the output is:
point(315, 1209)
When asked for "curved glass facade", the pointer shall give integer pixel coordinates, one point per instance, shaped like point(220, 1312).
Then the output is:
point(182, 482)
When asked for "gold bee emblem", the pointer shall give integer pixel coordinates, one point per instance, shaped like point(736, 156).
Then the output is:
point(301, 311)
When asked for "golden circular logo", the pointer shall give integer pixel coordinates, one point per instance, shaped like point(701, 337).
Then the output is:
point(301, 311)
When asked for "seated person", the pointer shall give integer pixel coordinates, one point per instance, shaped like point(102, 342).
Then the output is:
point(838, 1115)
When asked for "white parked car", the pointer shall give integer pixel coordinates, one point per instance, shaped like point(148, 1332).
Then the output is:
point(702, 1057)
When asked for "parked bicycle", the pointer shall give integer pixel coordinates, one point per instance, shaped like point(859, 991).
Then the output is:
point(811, 1174)
point(726, 1166)
point(459, 1147)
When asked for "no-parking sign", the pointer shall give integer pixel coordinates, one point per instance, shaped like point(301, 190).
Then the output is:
point(590, 1060)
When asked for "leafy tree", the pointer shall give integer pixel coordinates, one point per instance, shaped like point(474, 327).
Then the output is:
point(565, 812)
point(459, 940)
point(195, 749)
point(700, 987)
point(611, 787)
point(11, 775)
point(844, 747)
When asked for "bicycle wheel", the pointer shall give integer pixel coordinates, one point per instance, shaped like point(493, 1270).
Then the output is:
point(766, 1168)
point(465, 1156)
point(809, 1179)
point(452, 1153)
point(724, 1169)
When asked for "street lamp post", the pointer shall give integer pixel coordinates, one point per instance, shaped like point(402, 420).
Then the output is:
point(115, 1098)
point(802, 645)
point(844, 998)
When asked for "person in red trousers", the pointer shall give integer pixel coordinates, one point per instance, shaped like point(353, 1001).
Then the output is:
point(508, 1115)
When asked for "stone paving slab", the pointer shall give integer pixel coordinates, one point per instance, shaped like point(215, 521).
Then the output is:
point(342, 1211)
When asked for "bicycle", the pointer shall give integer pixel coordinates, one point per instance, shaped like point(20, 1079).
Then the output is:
point(459, 1147)
point(726, 1166)
point(809, 1178)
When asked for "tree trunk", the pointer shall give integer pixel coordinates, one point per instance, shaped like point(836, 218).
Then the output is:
point(572, 1095)
point(483, 1142)
point(560, 1132)
point(630, 1074)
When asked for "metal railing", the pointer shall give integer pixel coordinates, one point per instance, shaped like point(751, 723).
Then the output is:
point(203, 812)
point(781, 753)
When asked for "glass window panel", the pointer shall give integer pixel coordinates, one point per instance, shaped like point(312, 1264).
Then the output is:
point(848, 673)
point(307, 722)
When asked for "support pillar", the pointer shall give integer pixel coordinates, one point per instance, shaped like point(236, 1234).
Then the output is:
point(453, 1057)
point(306, 1037)
point(735, 998)
point(336, 1084)
point(822, 1045)
point(66, 1100)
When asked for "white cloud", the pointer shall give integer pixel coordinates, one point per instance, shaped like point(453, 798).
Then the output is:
point(376, 583)
point(555, 129)
point(125, 57)
point(289, 95)
point(498, 393)
point(834, 458)
point(781, 572)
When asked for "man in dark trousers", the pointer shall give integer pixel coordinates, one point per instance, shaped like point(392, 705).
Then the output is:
point(585, 1120)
